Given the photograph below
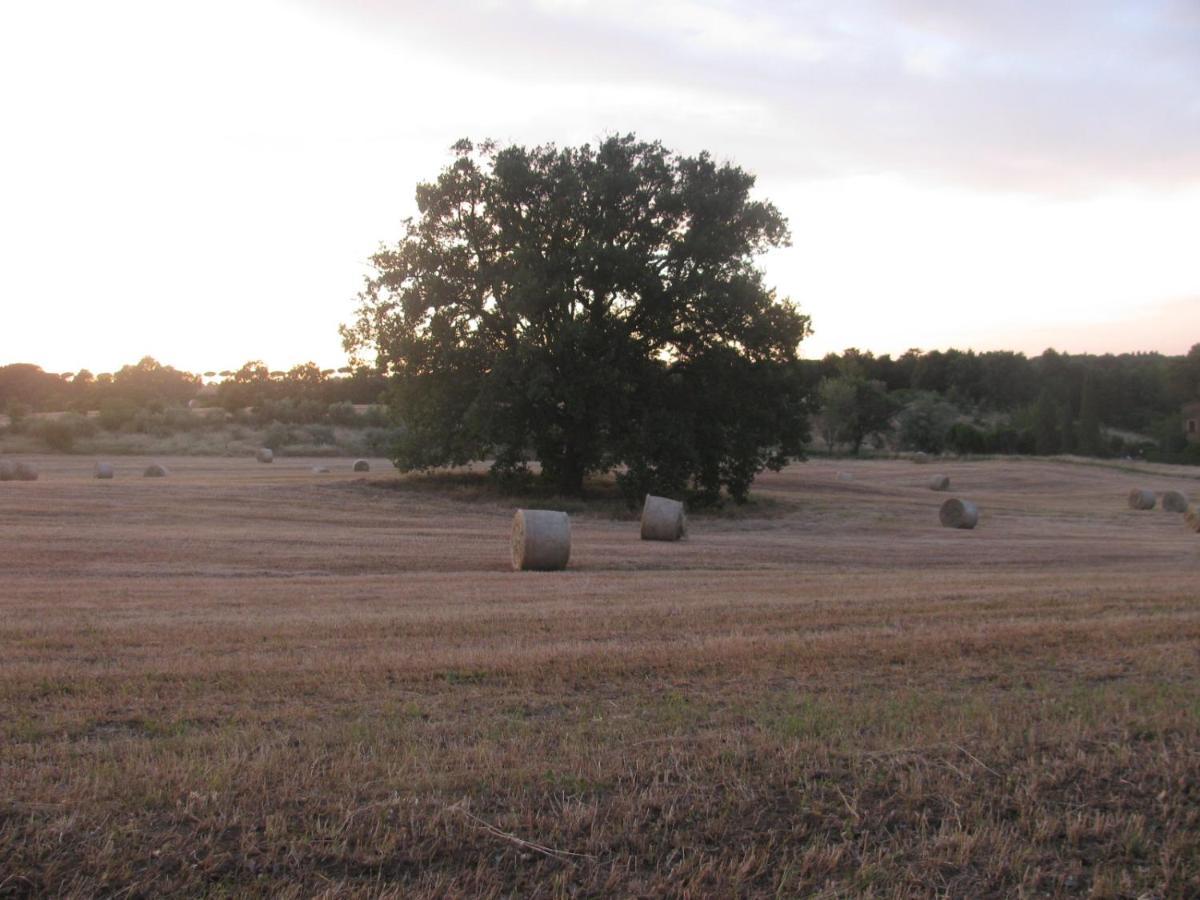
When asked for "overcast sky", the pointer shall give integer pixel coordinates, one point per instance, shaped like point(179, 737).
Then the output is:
point(204, 182)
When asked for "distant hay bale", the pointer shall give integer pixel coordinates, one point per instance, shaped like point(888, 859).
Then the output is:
point(361, 465)
point(939, 483)
point(156, 470)
point(541, 540)
point(920, 457)
point(8, 471)
point(1192, 519)
point(104, 470)
point(320, 470)
point(265, 455)
point(24, 471)
point(844, 476)
point(663, 519)
point(1140, 498)
point(1174, 501)
point(957, 513)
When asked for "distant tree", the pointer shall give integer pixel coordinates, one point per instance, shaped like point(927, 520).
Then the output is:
point(853, 409)
point(1091, 441)
point(149, 383)
point(591, 308)
point(1047, 440)
point(925, 422)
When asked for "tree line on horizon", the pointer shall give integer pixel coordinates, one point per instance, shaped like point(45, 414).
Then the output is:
point(1005, 402)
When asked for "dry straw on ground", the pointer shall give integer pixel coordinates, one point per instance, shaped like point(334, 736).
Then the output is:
point(253, 682)
point(103, 470)
point(541, 540)
point(1192, 519)
point(156, 470)
point(1139, 498)
point(361, 465)
point(265, 455)
point(663, 519)
point(1174, 501)
point(939, 483)
point(956, 513)
point(23, 471)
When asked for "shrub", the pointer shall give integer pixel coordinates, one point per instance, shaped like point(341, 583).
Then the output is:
point(116, 413)
point(60, 434)
point(277, 436)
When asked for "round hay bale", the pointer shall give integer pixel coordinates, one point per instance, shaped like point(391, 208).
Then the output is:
point(541, 540)
point(663, 519)
point(1192, 520)
point(156, 470)
point(8, 471)
point(939, 483)
point(957, 513)
point(320, 470)
point(104, 470)
point(920, 457)
point(361, 465)
point(1174, 501)
point(264, 455)
point(24, 471)
point(1140, 498)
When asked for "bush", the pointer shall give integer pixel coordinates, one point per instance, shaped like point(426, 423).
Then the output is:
point(60, 434)
point(342, 414)
point(116, 414)
point(962, 439)
point(925, 422)
point(277, 436)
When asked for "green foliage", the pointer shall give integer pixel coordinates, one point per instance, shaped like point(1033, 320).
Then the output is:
point(1047, 439)
point(1090, 440)
point(60, 433)
point(853, 409)
point(925, 422)
point(963, 438)
point(17, 413)
point(590, 308)
point(116, 413)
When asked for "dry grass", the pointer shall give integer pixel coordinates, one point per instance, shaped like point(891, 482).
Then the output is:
point(254, 680)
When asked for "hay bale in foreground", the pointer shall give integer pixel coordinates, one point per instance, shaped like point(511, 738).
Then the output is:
point(663, 519)
point(541, 540)
point(957, 513)
point(939, 483)
point(104, 470)
point(8, 471)
point(1192, 520)
point(361, 465)
point(1141, 499)
point(264, 455)
point(24, 471)
point(1174, 501)
point(155, 470)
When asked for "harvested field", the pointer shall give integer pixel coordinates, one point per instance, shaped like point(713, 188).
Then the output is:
point(247, 679)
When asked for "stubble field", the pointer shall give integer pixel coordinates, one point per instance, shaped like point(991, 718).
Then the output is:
point(255, 680)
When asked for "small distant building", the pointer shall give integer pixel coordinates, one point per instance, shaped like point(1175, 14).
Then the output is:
point(1191, 422)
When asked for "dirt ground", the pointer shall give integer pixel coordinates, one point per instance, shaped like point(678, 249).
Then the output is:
point(249, 679)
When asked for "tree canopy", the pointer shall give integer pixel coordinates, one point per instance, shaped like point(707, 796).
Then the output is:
point(590, 309)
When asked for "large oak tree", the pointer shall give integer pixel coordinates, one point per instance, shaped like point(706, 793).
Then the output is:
point(590, 309)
